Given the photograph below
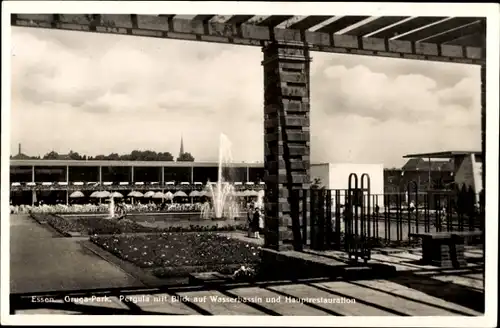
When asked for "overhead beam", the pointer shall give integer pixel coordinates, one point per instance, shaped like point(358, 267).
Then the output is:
point(375, 25)
point(273, 21)
point(406, 27)
point(249, 34)
point(473, 40)
point(238, 19)
point(437, 28)
point(308, 22)
point(341, 23)
point(203, 18)
point(476, 27)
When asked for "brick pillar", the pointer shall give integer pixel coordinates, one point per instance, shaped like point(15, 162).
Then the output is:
point(483, 122)
point(286, 136)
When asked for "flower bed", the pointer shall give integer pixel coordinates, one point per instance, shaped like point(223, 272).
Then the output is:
point(104, 226)
point(104, 208)
point(178, 254)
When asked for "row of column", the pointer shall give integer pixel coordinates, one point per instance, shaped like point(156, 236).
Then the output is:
point(162, 174)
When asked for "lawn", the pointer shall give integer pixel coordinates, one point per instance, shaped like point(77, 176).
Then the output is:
point(171, 254)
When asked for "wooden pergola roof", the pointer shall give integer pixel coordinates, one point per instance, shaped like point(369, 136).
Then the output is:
point(448, 39)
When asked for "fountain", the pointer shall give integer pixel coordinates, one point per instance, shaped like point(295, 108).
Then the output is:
point(223, 192)
point(111, 207)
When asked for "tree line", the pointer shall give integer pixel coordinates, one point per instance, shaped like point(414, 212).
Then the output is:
point(135, 155)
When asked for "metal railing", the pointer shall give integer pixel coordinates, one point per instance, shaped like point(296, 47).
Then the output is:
point(354, 220)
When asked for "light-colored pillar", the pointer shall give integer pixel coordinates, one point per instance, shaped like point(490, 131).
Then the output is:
point(192, 174)
point(132, 174)
point(33, 193)
point(162, 175)
point(100, 175)
point(67, 184)
point(429, 183)
point(476, 176)
point(248, 174)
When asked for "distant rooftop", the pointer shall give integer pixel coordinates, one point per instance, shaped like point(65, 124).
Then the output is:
point(109, 163)
point(420, 164)
point(444, 154)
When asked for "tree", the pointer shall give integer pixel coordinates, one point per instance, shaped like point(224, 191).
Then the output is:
point(166, 157)
point(74, 155)
point(185, 157)
point(113, 157)
point(51, 155)
point(135, 155)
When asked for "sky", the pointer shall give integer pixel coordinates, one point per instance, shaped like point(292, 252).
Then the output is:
point(98, 94)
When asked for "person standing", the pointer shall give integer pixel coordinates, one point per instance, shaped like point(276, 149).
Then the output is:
point(250, 220)
point(256, 223)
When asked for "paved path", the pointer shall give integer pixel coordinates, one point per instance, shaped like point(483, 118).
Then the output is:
point(341, 298)
point(41, 261)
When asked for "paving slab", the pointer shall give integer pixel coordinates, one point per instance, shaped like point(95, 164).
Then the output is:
point(160, 303)
point(301, 291)
point(461, 281)
point(402, 305)
point(400, 290)
point(398, 262)
point(276, 302)
point(222, 306)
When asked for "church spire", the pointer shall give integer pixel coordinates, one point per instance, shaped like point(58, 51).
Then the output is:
point(182, 147)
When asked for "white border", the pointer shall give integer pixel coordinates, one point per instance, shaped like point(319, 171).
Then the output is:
point(491, 11)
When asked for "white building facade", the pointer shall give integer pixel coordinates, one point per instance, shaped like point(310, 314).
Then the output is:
point(335, 176)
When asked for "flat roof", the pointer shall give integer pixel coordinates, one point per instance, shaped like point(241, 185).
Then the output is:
point(90, 163)
point(444, 154)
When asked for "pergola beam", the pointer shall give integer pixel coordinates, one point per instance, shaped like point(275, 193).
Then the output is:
point(437, 29)
point(375, 25)
point(203, 18)
point(308, 22)
point(473, 40)
point(341, 23)
point(250, 34)
point(477, 27)
point(273, 21)
point(238, 19)
point(406, 27)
